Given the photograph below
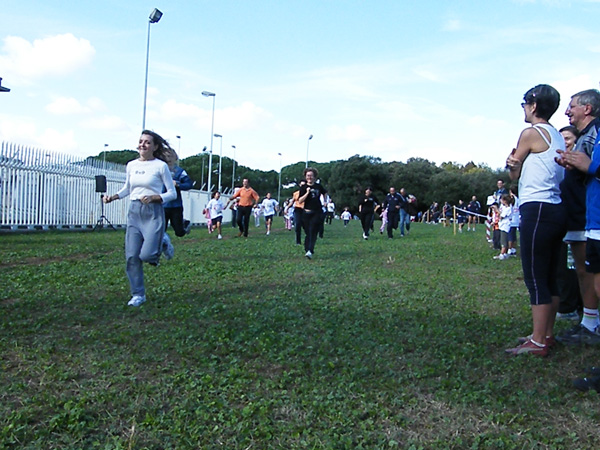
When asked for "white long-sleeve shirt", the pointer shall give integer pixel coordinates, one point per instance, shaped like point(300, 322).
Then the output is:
point(148, 178)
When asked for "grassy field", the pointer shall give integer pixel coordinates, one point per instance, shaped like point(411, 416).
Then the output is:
point(245, 344)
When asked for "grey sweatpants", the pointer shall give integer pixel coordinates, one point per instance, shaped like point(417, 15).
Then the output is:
point(143, 241)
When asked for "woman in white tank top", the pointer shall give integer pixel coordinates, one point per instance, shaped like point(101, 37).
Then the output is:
point(543, 221)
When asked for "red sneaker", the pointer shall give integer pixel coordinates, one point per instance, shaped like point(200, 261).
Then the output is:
point(528, 347)
point(550, 341)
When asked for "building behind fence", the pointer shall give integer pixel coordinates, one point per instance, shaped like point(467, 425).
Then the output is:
point(40, 189)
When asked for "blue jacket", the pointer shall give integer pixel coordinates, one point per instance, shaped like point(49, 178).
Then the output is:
point(592, 199)
point(573, 187)
point(185, 184)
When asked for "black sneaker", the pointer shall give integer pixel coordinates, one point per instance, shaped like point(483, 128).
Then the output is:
point(586, 384)
point(579, 335)
point(593, 370)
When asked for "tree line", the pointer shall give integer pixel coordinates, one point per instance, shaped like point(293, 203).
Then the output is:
point(347, 179)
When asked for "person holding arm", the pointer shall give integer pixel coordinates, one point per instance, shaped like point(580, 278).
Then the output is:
point(146, 179)
point(543, 220)
point(583, 112)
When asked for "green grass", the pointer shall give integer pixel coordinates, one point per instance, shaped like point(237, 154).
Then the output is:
point(245, 344)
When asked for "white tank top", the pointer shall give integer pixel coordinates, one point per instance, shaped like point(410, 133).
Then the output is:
point(540, 174)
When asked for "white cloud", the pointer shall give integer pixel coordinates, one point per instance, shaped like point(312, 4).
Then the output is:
point(286, 128)
point(244, 116)
point(17, 130)
point(427, 73)
point(23, 130)
point(388, 148)
point(51, 56)
point(173, 110)
point(351, 133)
point(66, 105)
point(452, 25)
point(106, 123)
point(63, 142)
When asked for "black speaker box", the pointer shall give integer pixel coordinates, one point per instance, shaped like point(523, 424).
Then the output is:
point(100, 183)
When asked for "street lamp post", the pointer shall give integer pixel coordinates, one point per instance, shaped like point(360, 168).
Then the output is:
point(233, 169)
point(203, 150)
point(279, 186)
point(212, 130)
point(307, 145)
point(104, 157)
point(155, 16)
point(220, 158)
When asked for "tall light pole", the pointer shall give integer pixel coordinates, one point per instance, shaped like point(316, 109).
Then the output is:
point(155, 16)
point(279, 186)
point(202, 154)
point(212, 131)
point(233, 169)
point(178, 145)
point(220, 159)
point(104, 157)
point(307, 145)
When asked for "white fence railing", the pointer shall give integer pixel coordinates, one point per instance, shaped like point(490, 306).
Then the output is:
point(40, 189)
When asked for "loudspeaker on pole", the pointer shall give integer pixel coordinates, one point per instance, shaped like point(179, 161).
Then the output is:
point(100, 183)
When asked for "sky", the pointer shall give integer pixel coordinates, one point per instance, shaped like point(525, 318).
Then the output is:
point(435, 79)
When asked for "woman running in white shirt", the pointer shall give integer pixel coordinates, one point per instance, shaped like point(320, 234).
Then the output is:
point(147, 178)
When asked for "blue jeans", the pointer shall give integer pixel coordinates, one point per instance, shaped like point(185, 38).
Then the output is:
point(404, 220)
point(143, 241)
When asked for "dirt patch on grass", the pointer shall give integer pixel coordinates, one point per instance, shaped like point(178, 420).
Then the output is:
point(42, 261)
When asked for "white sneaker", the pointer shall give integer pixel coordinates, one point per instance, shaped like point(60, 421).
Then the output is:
point(167, 247)
point(365, 237)
point(136, 300)
point(268, 233)
point(219, 237)
point(574, 316)
point(308, 254)
point(501, 257)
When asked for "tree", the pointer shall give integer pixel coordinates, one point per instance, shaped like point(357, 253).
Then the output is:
point(350, 178)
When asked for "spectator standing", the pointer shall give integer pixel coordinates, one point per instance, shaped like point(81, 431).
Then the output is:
point(583, 112)
point(500, 191)
point(474, 208)
point(543, 221)
point(504, 225)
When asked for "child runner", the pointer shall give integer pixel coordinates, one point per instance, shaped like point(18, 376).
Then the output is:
point(346, 216)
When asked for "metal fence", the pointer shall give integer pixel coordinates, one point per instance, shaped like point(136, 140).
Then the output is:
point(40, 189)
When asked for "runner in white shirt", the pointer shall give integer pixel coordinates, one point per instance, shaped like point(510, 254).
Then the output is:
point(269, 206)
point(215, 209)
